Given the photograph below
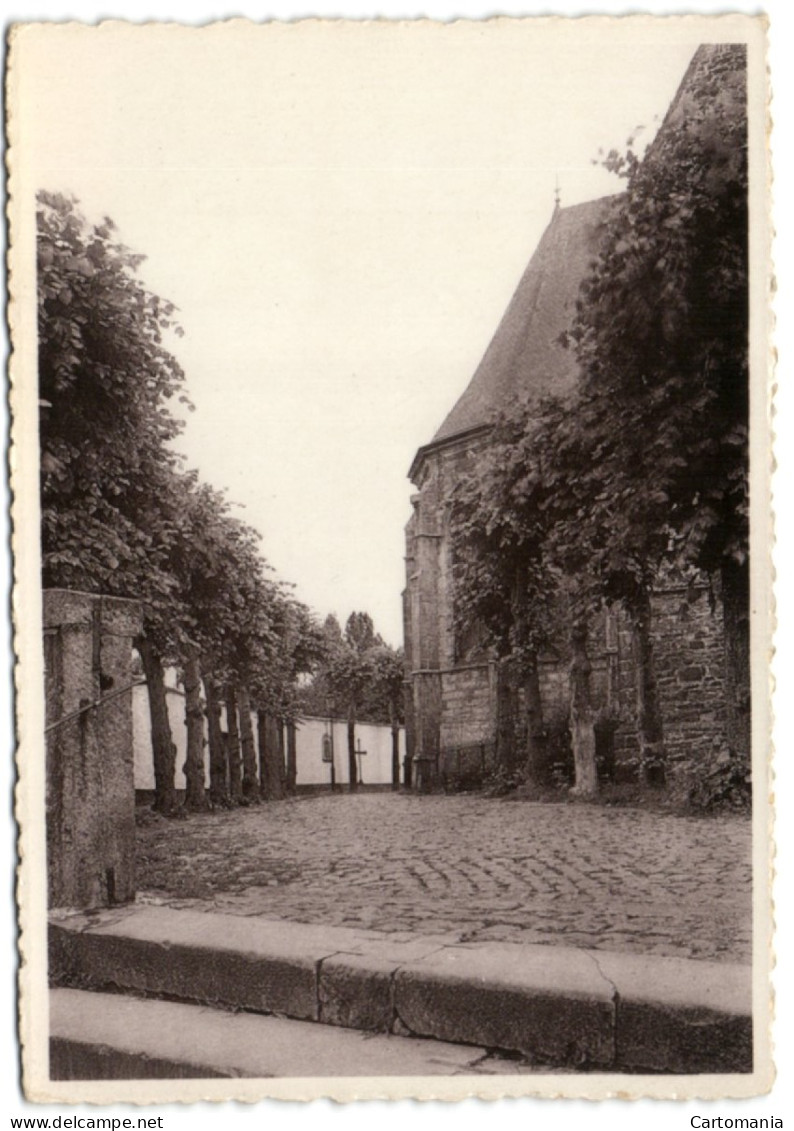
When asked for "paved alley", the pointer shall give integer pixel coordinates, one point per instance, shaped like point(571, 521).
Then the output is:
point(466, 868)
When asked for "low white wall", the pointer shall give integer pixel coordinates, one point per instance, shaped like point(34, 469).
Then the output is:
point(374, 765)
point(142, 737)
point(375, 739)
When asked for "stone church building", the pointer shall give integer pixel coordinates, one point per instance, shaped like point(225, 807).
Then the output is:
point(452, 683)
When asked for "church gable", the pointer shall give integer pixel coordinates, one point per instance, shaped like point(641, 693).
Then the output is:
point(525, 356)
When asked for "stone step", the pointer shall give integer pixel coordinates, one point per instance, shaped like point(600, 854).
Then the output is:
point(98, 1036)
point(556, 1006)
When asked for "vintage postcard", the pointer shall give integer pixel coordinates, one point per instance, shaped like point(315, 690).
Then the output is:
point(391, 457)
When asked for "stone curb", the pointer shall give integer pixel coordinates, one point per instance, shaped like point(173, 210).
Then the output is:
point(555, 1005)
point(104, 1036)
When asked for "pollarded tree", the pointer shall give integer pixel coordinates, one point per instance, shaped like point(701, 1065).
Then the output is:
point(607, 554)
point(383, 698)
point(164, 512)
point(201, 557)
point(358, 678)
point(349, 674)
point(504, 580)
point(387, 702)
point(275, 692)
point(537, 549)
point(315, 697)
point(231, 607)
point(208, 556)
point(261, 641)
point(256, 661)
point(199, 550)
point(253, 645)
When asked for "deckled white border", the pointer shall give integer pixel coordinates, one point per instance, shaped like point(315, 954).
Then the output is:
point(31, 792)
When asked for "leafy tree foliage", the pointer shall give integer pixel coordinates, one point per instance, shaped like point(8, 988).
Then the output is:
point(661, 335)
point(105, 379)
point(361, 676)
point(499, 532)
point(254, 638)
point(386, 700)
point(517, 559)
point(644, 466)
point(661, 332)
point(504, 578)
point(355, 664)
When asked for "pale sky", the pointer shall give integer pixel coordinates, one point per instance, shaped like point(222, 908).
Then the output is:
point(341, 214)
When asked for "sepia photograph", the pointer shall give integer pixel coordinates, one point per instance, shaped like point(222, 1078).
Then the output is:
point(391, 466)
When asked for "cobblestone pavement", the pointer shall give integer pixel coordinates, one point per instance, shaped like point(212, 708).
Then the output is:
point(467, 868)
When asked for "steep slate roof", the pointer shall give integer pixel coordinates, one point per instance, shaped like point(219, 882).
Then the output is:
point(525, 355)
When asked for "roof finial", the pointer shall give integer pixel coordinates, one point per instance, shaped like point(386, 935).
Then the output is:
point(556, 191)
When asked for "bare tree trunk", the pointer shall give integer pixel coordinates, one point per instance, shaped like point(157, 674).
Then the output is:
point(410, 727)
point(533, 709)
point(163, 748)
point(351, 748)
point(736, 628)
point(582, 732)
point(271, 757)
point(261, 734)
point(292, 757)
point(529, 673)
point(195, 793)
point(233, 747)
point(395, 746)
point(649, 716)
point(219, 786)
point(505, 714)
point(282, 756)
point(250, 778)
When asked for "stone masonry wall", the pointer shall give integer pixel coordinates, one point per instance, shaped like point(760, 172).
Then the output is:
point(444, 707)
point(688, 657)
point(467, 722)
point(467, 709)
point(689, 663)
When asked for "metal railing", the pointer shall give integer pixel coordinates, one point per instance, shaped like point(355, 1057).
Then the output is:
point(94, 705)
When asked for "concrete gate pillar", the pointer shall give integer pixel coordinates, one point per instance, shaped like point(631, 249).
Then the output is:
point(90, 775)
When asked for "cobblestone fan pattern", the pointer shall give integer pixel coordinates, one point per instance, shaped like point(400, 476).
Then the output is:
point(468, 869)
